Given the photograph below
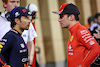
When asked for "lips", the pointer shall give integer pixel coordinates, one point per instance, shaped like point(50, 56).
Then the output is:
point(61, 23)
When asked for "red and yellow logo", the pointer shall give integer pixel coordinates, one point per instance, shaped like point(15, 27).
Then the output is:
point(26, 65)
point(71, 38)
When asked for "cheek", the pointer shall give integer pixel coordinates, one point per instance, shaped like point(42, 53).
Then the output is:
point(25, 22)
point(65, 20)
point(10, 7)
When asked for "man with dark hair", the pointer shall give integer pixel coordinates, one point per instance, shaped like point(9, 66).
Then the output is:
point(96, 24)
point(28, 35)
point(82, 47)
point(90, 21)
point(13, 50)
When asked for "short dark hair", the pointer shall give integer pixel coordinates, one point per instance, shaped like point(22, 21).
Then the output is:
point(76, 16)
point(13, 23)
point(90, 19)
point(97, 15)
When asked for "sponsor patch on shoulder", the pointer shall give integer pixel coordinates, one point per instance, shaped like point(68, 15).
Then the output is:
point(92, 42)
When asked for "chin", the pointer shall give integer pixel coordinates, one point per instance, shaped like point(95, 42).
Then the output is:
point(27, 28)
point(64, 27)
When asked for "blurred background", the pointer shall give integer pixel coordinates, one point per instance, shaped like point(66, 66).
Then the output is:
point(52, 39)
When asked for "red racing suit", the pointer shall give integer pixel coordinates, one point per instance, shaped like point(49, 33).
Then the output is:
point(82, 47)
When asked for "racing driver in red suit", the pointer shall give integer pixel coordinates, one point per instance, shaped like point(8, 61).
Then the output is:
point(82, 47)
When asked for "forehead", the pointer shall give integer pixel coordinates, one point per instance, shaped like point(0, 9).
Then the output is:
point(25, 16)
point(14, 0)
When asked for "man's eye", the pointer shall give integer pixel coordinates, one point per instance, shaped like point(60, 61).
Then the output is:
point(18, 2)
point(61, 16)
point(26, 17)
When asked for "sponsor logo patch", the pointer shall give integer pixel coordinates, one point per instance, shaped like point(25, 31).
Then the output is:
point(26, 65)
point(22, 45)
point(24, 59)
point(21, 51)
point(92, 42)
point(71, 38)
point(24, 35)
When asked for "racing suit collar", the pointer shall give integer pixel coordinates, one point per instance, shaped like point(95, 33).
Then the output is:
point(13, 30)
point(72, 29)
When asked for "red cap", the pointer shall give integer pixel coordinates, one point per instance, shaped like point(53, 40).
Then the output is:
point(61, 8)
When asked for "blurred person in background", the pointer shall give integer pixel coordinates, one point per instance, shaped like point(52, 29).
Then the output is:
point(33, 9)
point(4, 17)
point(95, 30)
point(90, 22)
point(96, 35)
point(28, 35)
point(82, 47)
point(96, 24)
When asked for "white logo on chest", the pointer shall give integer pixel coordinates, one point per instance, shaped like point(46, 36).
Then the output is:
point(70, 48)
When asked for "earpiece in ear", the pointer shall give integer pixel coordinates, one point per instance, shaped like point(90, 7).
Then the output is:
point(0, 13)
point(7, 16)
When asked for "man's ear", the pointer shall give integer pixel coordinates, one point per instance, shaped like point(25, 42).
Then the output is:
point(95, 20)
point(17, 20)
point(4, 4)
point(72, 17)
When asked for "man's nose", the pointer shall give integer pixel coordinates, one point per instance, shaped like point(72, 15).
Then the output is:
point(59, 19)
point(17, 4)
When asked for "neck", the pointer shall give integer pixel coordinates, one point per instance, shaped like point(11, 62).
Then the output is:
point(7, 10)
point(72, 23)
point(18, 29)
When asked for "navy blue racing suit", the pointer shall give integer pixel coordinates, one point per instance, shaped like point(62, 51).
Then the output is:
point(13, 50)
